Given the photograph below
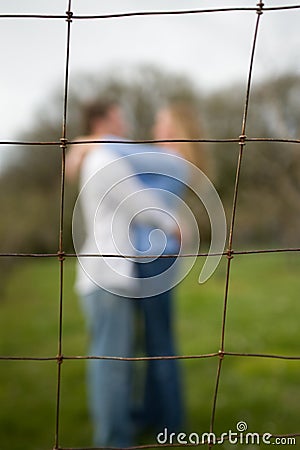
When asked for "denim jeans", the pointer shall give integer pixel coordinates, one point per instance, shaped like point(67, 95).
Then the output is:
point(163, 402)
point(110, 324)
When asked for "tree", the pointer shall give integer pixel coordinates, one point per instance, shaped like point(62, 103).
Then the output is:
point(30, 188)
point(268, 204)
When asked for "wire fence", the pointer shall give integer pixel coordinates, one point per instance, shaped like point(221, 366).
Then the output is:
point(61, 255)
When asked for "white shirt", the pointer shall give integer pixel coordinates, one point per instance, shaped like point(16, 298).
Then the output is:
point(110, 197)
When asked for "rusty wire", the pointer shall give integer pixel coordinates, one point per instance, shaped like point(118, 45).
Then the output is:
point(148, 13)
point(219, 354)
point(183, 255)
point(233, 215)
point(63, 143)
point(238, 140)
point(61, 257)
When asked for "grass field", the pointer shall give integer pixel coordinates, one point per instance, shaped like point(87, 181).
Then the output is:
point(263, 317)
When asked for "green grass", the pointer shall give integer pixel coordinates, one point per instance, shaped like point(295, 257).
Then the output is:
point(262, 317)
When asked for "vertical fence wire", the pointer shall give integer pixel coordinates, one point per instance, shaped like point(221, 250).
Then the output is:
point(61, 256)
point(260, 6)
point(229, 253)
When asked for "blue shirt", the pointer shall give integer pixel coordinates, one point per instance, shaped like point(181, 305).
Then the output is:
point(168, 174)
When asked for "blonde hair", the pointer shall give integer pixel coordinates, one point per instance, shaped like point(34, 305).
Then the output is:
point(187, 125)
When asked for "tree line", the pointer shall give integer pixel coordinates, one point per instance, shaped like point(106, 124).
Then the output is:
point(268, 202)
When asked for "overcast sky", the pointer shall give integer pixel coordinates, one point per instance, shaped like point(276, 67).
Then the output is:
point(212, 49)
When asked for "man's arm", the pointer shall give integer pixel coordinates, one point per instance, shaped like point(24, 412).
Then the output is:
point(76, 155)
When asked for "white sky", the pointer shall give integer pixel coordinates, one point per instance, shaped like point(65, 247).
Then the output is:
point(212, 49)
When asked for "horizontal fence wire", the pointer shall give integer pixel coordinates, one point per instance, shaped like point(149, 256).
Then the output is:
point(229, 253)
point(219, 354)
point(238, 140)
point(148, 13)
point(61, 255)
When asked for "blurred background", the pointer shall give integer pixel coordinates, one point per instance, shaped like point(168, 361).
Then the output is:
point(145, 62)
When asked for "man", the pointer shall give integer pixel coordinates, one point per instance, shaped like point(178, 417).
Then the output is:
point(111, 197)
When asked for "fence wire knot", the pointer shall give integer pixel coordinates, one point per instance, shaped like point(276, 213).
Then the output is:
point(221, 354)
point(64, 142)
point(260, 6)
point(242, 139)
point(69, 16)
point(60, 359)
point(229, 254)
point(61, 256)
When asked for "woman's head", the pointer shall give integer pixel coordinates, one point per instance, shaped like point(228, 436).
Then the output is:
point(180, 120)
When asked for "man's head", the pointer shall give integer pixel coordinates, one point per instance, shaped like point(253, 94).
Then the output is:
point(105, 117)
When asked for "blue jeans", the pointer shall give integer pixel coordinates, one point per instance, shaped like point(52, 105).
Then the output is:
point(163, 402)
point(110, 324)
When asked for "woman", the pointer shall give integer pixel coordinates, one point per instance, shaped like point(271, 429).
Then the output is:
point(163, 402)
point(180, 121)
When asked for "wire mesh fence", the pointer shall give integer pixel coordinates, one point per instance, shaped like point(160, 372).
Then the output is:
point(70, 18)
